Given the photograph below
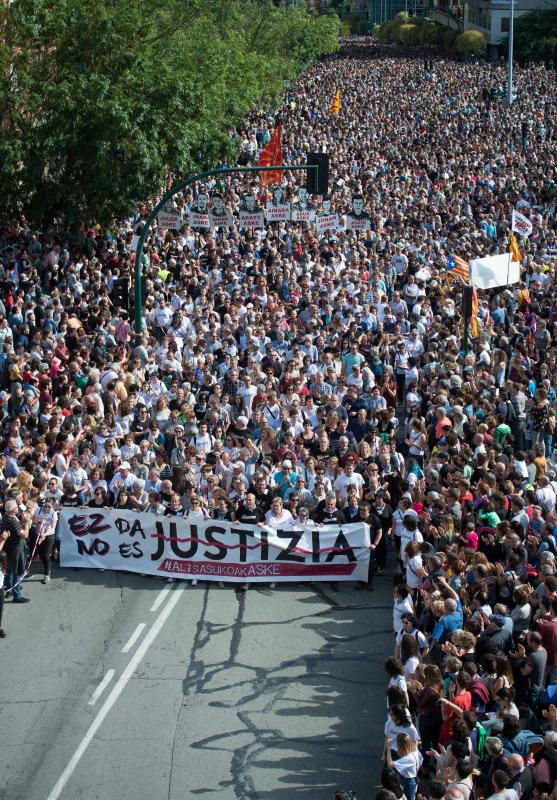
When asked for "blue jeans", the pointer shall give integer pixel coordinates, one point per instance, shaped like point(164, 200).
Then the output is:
point(11, 579)
point(408, 787)
point(429, 726)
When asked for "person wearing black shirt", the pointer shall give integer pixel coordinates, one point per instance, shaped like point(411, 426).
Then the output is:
point(249, 513)
point(263, 495)
point(329, 514)
point(384, 513)
point(14, 548)
point(376, 535)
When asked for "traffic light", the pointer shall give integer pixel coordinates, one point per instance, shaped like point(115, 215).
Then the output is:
point(467, 302)
point(317, 180)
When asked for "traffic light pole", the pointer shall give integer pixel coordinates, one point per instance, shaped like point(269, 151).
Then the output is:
point(510, 57)
point(162, 202)
point(466, 337)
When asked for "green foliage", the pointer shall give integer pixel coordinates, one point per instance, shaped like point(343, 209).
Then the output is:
point(356, 23)
point(101, 100)
point(471, 43)
point(345, 28)
point(430, 34)
point(535, 35)
point(415, 31)
point(450, 36)
point(388, 31)
point(409, 34)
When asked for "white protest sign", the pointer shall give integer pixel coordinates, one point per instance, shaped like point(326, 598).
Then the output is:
point(327, 222)
point(252, 219)
point(278, 213)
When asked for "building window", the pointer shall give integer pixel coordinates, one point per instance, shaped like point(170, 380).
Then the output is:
point(504, 24)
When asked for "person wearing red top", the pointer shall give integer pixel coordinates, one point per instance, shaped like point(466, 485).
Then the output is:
point(455, 707)
point(442, 422)
point(547, 627)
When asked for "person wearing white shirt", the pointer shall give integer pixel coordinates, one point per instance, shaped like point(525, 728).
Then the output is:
point(122, 479)
point(409, 533)
point(402, 605)
point(278, 516)
point(413, 344)
point(348, 478)
point(247, 392)
point(399, 261)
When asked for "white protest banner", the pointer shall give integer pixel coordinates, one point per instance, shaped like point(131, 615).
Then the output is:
point(521, 224)
point(277, 213)
point(327, 222)
point(212, 550)
point(252, 219)
point(222, 220)
point(358, 223)
point(303, 215)
point(198, 219)
point(493, 271)
point(169, 221)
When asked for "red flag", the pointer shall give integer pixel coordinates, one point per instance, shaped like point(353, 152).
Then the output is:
point(271, 156)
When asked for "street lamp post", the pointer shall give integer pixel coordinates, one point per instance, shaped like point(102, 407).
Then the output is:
point(510, 56)
point(138, 266)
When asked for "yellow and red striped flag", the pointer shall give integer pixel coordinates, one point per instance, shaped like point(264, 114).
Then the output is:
point(474, 326)
point(516, 255)
point(335, 105)
point(458, 269)
point(271, 156)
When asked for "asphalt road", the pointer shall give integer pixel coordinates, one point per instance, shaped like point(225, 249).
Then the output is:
point(119, 687)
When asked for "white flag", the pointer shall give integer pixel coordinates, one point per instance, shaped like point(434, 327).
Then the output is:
point(493, 271)
point(521, 224)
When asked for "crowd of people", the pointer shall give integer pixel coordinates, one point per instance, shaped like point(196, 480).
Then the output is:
point(296, 377)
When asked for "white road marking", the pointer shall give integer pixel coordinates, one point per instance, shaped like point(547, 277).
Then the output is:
point(119, 687)
point(101, 687)
point(133, 638)
point(160, 599)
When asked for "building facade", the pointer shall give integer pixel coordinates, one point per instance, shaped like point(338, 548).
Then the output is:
point(491, 17)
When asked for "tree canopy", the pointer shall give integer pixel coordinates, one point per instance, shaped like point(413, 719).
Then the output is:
point(100, 101)
point(535, 35)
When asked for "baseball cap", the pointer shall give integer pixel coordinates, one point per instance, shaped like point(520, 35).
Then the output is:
point(125, 465)
point(287, 464)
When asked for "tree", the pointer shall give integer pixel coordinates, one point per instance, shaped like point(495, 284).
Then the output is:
point(535, 35)
point(409, 34)
point(101, 101)
point(429, 33)
point(450, 36)
point(471, 43)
